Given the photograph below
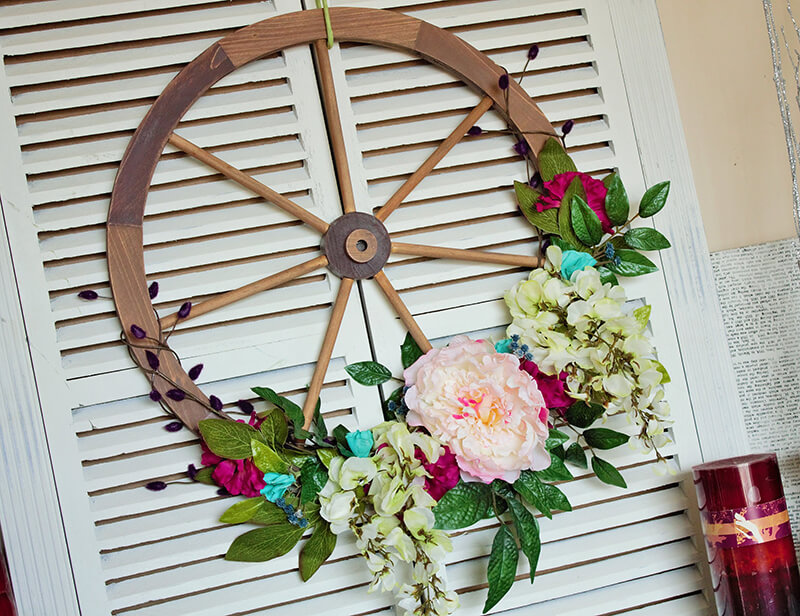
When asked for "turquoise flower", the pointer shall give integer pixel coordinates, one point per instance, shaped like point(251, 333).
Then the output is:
point(277, 484)
point(504, 346)
point(573, 261)
point(360, 442)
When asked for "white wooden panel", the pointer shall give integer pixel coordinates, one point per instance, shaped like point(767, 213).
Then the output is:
point(80, 76)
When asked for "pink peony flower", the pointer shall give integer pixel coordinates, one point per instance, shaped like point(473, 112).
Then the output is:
point(551, 386)
point(444, 472)
point(489, 412)
point(595, 190)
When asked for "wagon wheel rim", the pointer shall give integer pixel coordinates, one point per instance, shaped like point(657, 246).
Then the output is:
point(356, 245)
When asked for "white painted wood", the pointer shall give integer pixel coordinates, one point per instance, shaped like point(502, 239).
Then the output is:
point(704, 349)
point(161, 551)
point(30, 517)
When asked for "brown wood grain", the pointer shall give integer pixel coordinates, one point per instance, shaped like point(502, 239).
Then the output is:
point(373, 26)
point(463, 254)
point(404, 313)
point(248, 181)
point(334, 123)
point(436, 156)
point(248, 290)
point(328, 342)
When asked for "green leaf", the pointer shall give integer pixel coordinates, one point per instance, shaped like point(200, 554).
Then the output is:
point(264, 544)
point(242, 511)
point(617, 204)
point(267, 459)
point(555, 438)
point(502, 566)
point(409, 351)
point(556, 499)
point(544, 496)
point(585, 222)
point(618, 242)
point(563, 245)
point(557, 471)
point(316, 550)
point(368, 372)
point(463, 505)
point(531, 488)
point(204, 476)
point(227, 438)
point(268, 514)
point(645, 238)
point(325, 455)
point(606, 275)
point(583, 415)
point(313, 478)
point(665, 378)
point(340, 434)
point(606, 473)
point(577, 456)
point(632, 263)
point(274, 428)
point(293, 412)
point(527, 531)
point(320, 429)
point(558, 450)
point(565, 216)
point(603, 438)
point(642, 315)
point(553, 160)
point(527, 197)
point(654, 199)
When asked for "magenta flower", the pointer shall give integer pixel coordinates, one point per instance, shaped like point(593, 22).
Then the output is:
point(595, 190)
point(444, 472)
point(552, 386)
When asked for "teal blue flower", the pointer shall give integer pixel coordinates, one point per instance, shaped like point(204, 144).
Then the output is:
point(504, 346)
point(277, 484)
point(360, 442)
point(573, 261)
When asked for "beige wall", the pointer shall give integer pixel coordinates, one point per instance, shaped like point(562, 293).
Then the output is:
point(719, 53)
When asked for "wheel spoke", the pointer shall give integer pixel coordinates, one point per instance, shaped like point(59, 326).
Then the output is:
point(438, 154)
point(334, 127)
point(229, 297)
point(402, 311)
point(337, 314)
point(248, 182)
point(462, 254)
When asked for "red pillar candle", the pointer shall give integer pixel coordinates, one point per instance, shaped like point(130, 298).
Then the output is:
point(748, 537)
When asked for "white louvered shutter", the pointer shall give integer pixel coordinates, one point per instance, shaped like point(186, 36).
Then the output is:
point(82, 74)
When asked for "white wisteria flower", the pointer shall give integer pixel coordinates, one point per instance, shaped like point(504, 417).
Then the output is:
point(582, 327)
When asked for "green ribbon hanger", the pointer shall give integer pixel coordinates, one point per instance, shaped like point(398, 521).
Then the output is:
point(323, 4)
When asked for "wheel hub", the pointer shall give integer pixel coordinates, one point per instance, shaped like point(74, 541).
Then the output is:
point(357, 246)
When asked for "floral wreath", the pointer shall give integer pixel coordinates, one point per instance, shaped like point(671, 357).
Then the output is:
point(479, 429)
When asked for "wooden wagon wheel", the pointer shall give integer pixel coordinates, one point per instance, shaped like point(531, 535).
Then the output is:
point(354, 246)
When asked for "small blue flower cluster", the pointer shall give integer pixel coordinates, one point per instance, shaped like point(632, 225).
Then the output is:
point(295, 516)
point(520, 350)
point(401, 409)
point(612, 254)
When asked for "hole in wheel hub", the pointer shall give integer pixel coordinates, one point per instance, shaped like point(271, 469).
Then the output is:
point(357, 246)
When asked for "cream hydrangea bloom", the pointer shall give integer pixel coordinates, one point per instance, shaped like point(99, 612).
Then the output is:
point(583, 327)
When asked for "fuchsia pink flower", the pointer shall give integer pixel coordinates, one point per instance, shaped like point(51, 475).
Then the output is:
point(236, 476)
point(552, 387)
point(444, 472)
point(554, 191)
